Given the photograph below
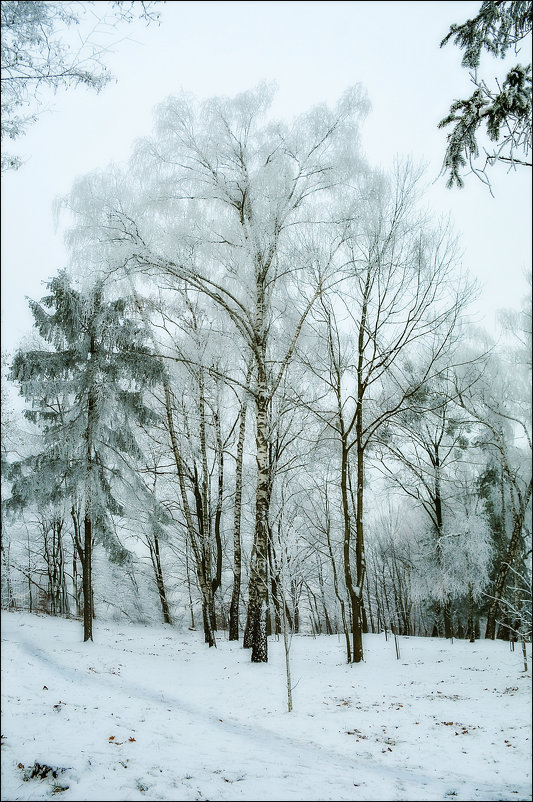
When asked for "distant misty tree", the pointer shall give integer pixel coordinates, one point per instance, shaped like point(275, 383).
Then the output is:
point(86, 392)
point(11, 446)
point(505, 110)
point(501, 403)
point(36, 54)
point(156, 533)
point(425, 454)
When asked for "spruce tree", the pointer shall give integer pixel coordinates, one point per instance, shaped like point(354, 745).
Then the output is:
point(86, 393)
point(505, 110)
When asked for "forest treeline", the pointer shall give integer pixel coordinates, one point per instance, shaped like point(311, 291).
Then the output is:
point(257, 401)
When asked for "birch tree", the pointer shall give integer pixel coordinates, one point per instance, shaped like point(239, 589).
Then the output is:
point(226, 202)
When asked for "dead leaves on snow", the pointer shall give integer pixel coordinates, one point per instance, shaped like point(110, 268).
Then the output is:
point(463, 730)
point(355, 732)
point(112, 740)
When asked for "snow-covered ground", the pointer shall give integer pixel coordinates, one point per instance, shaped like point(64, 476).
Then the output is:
point(152, 713)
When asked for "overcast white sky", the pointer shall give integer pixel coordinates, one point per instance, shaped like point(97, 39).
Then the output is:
point(313, 51)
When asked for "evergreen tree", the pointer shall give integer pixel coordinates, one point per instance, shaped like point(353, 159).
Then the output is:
point(86, 392)
point(505, 111)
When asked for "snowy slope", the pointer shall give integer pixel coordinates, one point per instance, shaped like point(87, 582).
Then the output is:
point(152, 713)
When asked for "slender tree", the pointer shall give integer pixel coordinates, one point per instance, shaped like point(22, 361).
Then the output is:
point(397, 304)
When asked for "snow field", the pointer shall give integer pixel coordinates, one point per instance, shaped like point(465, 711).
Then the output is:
point(153, 713)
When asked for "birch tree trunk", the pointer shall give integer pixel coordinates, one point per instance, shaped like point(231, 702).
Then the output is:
point(237, 515)
point(217, 579)
point(258, 569)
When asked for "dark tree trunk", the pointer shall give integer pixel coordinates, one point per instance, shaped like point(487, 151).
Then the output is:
point(503, 570)
point(87, 579)
point(356, 594)
point(448, 620)
point(197, 548)
point(446, 606)
point(471, 627)
point(274, 581)
point(369, 604)
point(88, 606)
point(336, 587)
point(158, 570)
point(217, 579)
point(346, 551)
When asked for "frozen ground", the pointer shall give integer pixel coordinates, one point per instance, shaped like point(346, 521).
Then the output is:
point(152, 713)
